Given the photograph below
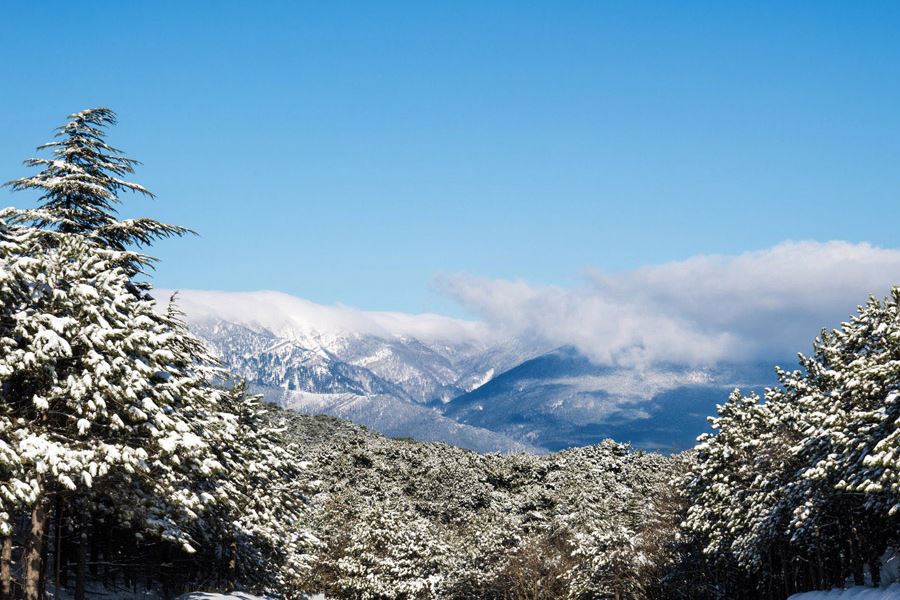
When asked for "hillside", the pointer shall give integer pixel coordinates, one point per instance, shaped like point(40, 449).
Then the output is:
point(468, 524)
point(561, 399)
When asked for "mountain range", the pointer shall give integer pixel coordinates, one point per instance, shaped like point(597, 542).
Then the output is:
point(561, 399)
point(435, 378)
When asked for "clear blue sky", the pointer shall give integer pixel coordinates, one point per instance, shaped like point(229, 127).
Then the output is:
point(347, 152)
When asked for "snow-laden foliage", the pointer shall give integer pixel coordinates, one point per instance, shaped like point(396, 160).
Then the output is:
point(262, 508)
point(607, 563)
point(396, 554)
point(405, 519)
point(118, 437)
point(93, 382)
point(801, 489)
point(80, 186)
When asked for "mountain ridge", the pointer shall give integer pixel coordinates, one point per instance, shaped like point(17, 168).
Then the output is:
point(458, 383)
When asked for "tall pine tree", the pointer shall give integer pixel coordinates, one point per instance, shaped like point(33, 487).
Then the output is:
point(81, 184)
point(107, 396)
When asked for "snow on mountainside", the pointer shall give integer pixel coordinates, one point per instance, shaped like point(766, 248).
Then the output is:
point(382, 370)
point(397, 418)
point(267, 360)
point(278, 340)
point(441, 379)
point(562, 399)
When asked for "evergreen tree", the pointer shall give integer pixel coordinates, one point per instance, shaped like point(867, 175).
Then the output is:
point(260, 517)
point(802, 491)
point(98, 390)
point(81, 184)
point(111, 401)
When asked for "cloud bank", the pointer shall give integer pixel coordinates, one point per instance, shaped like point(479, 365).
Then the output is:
point(766, 304)
point(292, 317)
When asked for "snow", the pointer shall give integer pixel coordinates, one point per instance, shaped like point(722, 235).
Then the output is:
point(235, 596)
point(854, 593)
point(380, 354)
point(399, 418)
point(209, 596)
point(484, 379)
point(99, 591)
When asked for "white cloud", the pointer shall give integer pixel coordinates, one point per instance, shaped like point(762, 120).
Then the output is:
point(292, 317)
point(764, 304)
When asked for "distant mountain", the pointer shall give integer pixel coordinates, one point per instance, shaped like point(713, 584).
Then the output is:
point(440, 379)
point(561, 399)
point(398, 418)
point(267, 360)
point(383, 370)
point(281, 341)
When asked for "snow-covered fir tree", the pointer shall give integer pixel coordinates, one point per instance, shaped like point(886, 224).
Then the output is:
point(397, 554)
point(80, 187)
point(801, 491)
point(96, 390)
point(262, 513)
point(114, 415)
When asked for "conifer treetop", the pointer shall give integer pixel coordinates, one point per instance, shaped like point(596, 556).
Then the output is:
point(81, 185)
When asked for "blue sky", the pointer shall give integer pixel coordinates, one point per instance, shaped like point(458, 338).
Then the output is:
point(349, 152)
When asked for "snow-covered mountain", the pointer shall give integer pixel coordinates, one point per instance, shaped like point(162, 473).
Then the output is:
point(398, 418)
point(384, 370)
point(267, 360)
point(435, 378)
point(562, 399)
point(278, 340)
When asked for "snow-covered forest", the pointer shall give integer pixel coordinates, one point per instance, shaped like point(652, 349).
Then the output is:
point(131, 461)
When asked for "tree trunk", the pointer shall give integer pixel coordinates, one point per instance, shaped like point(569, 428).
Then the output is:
point(858, 572)
point(6, 569)
point(45, 552)
point(856, 558)
point(81, 553)
point(65, 551)
point(875, 571)
point(108, 577)
point(57, 550)
point(232, 564)
point(33, 548)
point(95, 546)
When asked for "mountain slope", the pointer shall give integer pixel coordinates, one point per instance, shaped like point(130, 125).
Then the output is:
point(266, 360)
point(277, 340)
point(316, 381)
point(367, 367)
point(561, 399)
point(441, 379)
point(397, 418)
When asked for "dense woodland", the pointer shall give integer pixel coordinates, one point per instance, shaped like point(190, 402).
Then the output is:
point(130, 460)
